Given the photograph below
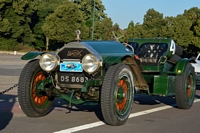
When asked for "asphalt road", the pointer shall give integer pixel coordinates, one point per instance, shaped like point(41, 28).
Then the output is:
point(150, 114)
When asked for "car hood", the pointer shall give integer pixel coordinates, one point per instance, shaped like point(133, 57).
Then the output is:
point(108, 47)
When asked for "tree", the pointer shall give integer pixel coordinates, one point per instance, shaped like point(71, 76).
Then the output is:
point(44, 8)
point(167, 29)
point(62, 24)
point(193, 14)
point(196, 39)
point(197, 28)
point(15, 18)
point(116, 26)
point(138, 31)
point(130, 29)
point(182, 34)
point(101, 28)
point(90, 9)
point(153, 21)
point(87, 7)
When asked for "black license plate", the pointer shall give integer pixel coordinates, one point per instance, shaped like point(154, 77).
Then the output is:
point(72, 78)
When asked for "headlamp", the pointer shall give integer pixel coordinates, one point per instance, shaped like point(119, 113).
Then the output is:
point(91, 63)
point(48, 62)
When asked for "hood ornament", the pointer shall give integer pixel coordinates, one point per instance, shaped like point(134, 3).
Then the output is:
point(78, 32)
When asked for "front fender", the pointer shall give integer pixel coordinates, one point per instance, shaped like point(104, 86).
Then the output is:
point(180, 66)
point(31, 55)
point(112, 59)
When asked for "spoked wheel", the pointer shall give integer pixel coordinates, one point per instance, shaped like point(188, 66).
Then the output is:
point(117, 95)
point(37, 97)
point(33, 102)
point(186, 88)
point(121, 96)
point(117, 34)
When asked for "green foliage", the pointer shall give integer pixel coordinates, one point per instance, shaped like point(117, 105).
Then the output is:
point(130, 29)
point(23, 48)
point(197, 28)
point(182, 34)
point(44, 8)
point(138, 31)
point(86, 6)
point(92, 9)
point(62, 24)
point(7, 44)
point(153, 22)
point(28, 23)
point(101, 27)
point(15, 18)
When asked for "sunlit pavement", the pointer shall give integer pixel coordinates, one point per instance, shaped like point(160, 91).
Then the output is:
point(10, 69)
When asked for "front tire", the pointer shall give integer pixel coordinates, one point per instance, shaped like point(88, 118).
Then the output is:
point(186, 88)
point(32, 103)
point(117, 95)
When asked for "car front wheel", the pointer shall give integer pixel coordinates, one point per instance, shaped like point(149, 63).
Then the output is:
point(117, 95)
point(33, 102)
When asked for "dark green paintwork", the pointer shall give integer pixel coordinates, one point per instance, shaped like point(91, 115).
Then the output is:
point(111, 52)
point(68, 98)
point(41, 85)
point(31, 55)
point(164, 85)
point(180, 66)
point(157, 68)
point(112, 59)
point(106, 48)
point(71, 100)
point(149, 78)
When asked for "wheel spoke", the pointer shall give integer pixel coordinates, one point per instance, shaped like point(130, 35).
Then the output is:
point(189, 87)
point(37, 99)
point(119, 37)
point(122, 92)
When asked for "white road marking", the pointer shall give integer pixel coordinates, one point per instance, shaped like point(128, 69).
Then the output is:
point(83, 127)
point(100, 123)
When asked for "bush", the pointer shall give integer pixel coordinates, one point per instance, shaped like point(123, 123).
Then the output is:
point(6, 44)
point(23, 48)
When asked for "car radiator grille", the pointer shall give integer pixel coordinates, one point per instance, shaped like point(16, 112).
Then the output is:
point(72, 53)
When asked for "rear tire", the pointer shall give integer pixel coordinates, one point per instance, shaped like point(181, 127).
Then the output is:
point(186, 88)
point(117, 95)
point(32, 103)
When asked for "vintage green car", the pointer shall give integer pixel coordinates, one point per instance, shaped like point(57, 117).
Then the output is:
point(107, 73)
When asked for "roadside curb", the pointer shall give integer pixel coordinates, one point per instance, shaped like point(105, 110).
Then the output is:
point(12, 52)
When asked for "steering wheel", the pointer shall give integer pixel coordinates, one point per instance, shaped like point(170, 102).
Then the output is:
point(116, 34)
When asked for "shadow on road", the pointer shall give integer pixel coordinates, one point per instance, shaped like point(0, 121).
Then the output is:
point(62, 104)
point(6, 104)
point(153, 100)
point(197, 96)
